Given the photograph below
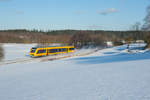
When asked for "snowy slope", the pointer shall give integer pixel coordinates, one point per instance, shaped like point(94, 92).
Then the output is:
point(16, 51)
point(110, 74)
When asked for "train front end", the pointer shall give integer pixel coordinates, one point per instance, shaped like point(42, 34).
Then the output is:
point(32, 52)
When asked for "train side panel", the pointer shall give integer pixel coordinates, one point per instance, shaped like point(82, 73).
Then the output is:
point(50, 51)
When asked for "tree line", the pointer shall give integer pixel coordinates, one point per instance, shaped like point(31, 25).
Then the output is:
point(77, 37)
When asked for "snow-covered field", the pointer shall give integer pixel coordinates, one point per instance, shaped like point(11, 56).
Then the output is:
point(14, 51)
point(108, 74)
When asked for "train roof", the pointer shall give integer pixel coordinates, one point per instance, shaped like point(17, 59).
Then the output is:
point(48, 46)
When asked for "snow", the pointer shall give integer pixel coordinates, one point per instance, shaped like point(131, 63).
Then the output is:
point(108, 74)
point(16, 51)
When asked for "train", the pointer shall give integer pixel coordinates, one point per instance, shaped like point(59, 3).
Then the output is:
point(50, 50)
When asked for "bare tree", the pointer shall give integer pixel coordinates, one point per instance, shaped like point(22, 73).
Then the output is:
point(147, 40)
point(128, 40)
point(136, 26)
point(1, 53)
point(80, 39)
point(146, 26)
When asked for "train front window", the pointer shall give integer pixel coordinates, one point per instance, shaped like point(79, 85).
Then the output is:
point(41, 51)
point(33, 50)
point(71, 48)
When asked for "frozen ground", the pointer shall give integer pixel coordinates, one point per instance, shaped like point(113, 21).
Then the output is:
point(109, 74)
point(14, 51)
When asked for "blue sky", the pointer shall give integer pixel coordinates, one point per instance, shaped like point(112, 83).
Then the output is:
point(71, 14)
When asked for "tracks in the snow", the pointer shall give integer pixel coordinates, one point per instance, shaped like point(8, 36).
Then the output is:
point(47, 58)
point(15, 61)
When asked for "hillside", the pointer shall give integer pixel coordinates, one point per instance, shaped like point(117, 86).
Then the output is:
point(108, 74)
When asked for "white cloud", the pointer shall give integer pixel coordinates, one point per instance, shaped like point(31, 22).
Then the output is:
point(108, 11)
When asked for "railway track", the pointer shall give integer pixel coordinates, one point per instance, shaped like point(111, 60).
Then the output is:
point(47, 58)
point(15, 61)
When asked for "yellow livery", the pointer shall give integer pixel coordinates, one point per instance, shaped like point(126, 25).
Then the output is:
point(50, 50)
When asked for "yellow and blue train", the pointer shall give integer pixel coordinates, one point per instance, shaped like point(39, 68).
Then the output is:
point(50, 50)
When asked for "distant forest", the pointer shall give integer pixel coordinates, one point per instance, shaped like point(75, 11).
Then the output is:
point(76, 37)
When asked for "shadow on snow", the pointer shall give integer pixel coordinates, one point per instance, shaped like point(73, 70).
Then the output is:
point(113, 58)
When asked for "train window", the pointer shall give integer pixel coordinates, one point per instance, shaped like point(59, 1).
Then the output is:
point(53, 50)
point(64, 49)
point(41, 51)
point(59, 50)
point(33, 50)
point(71, 48)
